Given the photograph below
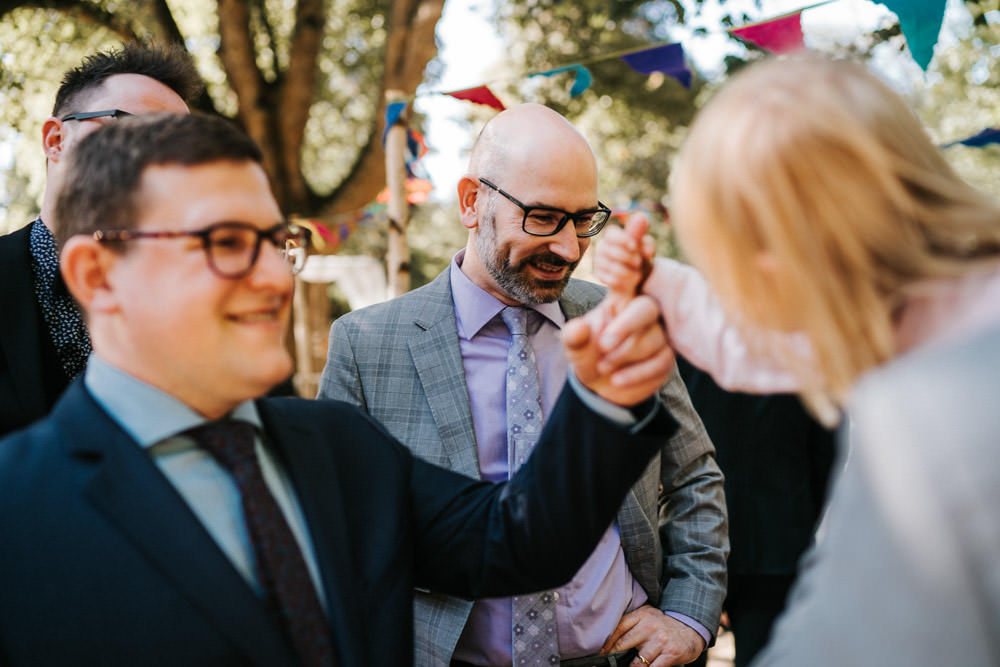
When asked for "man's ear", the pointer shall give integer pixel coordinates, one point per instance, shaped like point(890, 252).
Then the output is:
point(85, 265)
point(468, 195)
point(53, 138)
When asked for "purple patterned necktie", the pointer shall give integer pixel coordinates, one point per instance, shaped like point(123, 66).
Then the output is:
point(281, 569)
point(535, 642)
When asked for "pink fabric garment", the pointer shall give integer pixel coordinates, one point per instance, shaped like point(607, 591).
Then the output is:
point(700, 331)
point(940, 311)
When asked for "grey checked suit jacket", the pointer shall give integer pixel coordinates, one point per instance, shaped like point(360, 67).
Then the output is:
point(906, 569)
point(400, 361)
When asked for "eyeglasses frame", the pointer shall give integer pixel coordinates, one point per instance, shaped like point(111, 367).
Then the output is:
point(90, 115)
point(566, 215)
point(120, 235)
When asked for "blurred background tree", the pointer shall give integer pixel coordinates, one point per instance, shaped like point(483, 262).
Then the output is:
point(305, 78)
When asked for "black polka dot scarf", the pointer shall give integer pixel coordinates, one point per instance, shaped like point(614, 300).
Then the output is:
point(62, 316)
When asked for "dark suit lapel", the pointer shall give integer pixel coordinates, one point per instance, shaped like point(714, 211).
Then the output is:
point(130, 491)
point(437, 359)
point(310, 467)
point(20, 335)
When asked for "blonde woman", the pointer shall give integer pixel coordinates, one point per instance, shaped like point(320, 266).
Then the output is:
point(852, 263)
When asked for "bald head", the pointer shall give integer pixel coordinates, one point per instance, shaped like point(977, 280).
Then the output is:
point(529, 137)
point(530, 171)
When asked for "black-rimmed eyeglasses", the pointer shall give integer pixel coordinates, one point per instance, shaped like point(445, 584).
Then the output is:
point(232, 248)
point(549, 221)
point(89, 115)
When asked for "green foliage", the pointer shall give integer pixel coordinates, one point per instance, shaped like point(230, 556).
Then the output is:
point(36, 46)
point(347, 98)
point(961, 95)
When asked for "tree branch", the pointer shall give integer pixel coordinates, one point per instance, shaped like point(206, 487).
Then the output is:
point(238, 57)
point(298, 89)
point(86, 11)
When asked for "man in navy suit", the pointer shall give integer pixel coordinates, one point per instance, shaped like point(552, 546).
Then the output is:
point(130, 535)
point(43, 343)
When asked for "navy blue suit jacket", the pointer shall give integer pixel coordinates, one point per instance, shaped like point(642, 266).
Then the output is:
point(31, 378)
point(102, 562)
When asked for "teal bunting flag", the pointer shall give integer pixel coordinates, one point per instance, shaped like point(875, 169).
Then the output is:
point(921, 22)
point(580, 83)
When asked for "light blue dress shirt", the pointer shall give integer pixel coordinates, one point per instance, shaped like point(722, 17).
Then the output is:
point(155, 420)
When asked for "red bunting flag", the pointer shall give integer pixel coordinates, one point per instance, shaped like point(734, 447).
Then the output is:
point(780, 35)
point(479, 95)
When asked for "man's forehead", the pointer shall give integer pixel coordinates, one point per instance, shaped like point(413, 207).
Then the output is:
point(216, 191)
point(135, 93)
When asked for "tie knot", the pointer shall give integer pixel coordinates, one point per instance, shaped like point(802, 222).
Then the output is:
point(229, 441)
point(516, 319)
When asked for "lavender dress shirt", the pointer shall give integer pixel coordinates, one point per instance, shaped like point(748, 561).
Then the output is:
point(590, 606)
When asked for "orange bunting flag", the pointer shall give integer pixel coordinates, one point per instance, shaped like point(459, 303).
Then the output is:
point(417, 190)
point(479, 95)
point(780, 35)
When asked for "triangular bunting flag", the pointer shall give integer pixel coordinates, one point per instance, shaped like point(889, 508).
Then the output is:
point(921, 22)
point(780, 35)
point(580, 83)
point(990, 135)
point(668, 59)
point(479, 95)
point(393, 110)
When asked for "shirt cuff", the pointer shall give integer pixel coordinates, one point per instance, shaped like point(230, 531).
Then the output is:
point(693, 624)
point(634, 419)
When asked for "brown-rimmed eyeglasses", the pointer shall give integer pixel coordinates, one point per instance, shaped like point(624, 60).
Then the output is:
point(232, 248)
point(549, 221)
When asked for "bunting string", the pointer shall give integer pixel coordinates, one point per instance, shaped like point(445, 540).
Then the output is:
point(920, 22)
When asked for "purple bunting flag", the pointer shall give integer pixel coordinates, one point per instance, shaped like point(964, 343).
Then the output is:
point(668, 59)
point(990, 135)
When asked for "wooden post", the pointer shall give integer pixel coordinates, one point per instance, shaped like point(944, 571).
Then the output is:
point(311, 310)
point(398, 254)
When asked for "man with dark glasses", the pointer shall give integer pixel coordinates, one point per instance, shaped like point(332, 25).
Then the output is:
point(446, 370)
point(43, 341)
point(165, 514)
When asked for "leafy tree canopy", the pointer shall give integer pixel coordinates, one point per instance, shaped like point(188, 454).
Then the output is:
point(307, 79)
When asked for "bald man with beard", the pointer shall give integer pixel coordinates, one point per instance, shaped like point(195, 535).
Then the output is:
point(431, 366)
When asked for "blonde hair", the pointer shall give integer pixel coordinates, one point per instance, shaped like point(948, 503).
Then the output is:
point(819, 167)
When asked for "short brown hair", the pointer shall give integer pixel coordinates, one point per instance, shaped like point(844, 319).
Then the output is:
point(170, 65)
point(103, 174)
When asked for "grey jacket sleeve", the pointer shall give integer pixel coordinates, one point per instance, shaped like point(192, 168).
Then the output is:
point(692, 516)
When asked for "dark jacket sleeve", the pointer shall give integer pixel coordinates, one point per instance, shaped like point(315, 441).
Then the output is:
point(476, 539)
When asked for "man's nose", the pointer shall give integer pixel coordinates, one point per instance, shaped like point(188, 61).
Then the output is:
point(565, 242)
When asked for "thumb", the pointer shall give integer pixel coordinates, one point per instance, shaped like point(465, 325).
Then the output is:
point(637, 225)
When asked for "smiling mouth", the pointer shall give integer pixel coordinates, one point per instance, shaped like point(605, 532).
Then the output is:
point(255, 318)
point(549, 268)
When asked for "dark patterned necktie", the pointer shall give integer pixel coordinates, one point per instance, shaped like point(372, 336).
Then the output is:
point(535, 642)
point(60, 312)
point(281, 569)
